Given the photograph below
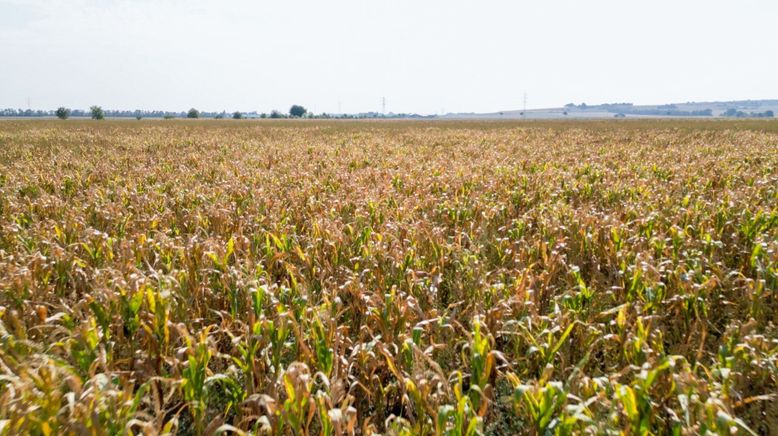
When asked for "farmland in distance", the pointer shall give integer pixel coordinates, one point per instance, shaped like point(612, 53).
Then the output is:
point(393, 277)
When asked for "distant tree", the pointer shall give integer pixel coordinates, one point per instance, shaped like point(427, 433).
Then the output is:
point(570, 105)
point(237, 116)
point(297, 111)
point(138, 114)
point(193, 113)
point(97, 112)
point(168, 116)
point(62, 113)
point(263, 115)
point(276, 114)
point(769, 114)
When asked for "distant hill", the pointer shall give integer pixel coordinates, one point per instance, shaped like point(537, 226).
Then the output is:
point(734, 109)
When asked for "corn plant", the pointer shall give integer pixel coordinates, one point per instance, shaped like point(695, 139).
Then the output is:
point(389, 278)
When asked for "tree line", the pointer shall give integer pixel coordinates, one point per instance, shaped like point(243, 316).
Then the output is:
point(98, 113)
point(741, 114)
point(630, 109)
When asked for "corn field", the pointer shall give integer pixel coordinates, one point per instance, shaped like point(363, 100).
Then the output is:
point(388, 277)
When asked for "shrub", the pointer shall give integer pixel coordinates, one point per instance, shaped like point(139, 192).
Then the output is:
point(62, 113)
point(97, 112)
point(297, 111)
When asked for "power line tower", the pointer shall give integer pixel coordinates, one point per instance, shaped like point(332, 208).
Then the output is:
point(524, 112)
point(383, 105)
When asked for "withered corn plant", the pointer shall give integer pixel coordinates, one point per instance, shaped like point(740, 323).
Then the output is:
point(402, 278)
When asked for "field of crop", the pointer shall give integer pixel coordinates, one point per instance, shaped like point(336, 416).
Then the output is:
point(390, 277)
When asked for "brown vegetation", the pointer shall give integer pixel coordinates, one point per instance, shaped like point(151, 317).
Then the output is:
point(335, 278)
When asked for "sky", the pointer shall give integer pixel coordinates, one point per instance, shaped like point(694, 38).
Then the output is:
point(422, 56)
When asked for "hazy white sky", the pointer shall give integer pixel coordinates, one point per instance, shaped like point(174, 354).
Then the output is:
point(423, 56)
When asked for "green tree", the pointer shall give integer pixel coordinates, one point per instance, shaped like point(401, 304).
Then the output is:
point(276, 114)
point(97, 112)
point(138, 114)
point(297, 111)
point(193, 113)
point(237, 116)
point(62, 113)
